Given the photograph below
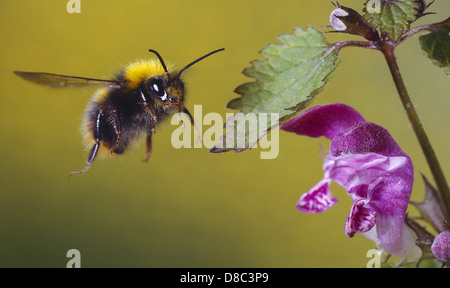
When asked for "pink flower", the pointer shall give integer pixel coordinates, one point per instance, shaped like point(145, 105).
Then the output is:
point(369, 164)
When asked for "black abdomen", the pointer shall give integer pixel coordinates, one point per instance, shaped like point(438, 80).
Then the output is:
point(120, 118)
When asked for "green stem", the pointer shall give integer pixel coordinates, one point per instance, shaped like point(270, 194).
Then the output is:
point(422, 28)
point(388, 51)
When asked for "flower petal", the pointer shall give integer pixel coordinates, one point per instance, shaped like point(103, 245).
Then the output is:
point(318, 199)
point(323, 120)
point(408, 247)
point(389, 196)
point(337, 23)
point(361, 218)
point(365, 137)
point(355, 172)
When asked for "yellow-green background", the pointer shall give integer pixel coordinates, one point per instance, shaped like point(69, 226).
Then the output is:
point(185, 208)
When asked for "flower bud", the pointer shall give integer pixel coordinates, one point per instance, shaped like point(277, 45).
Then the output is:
point(440, 247)
point(337, 23)
point(347, 20)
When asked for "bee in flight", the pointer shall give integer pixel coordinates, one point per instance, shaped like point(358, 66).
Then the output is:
point(132, 104)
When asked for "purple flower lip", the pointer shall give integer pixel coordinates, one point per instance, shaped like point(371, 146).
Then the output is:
point(370, 165)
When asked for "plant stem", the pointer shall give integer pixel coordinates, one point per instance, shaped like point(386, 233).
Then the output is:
point(388, 51)
point(422, 28)
point(361, 44)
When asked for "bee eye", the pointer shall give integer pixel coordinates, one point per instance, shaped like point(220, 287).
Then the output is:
point(157, 87)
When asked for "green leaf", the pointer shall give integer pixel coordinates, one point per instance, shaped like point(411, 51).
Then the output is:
point(393, 16)
point(286, 82)
point(436, 46)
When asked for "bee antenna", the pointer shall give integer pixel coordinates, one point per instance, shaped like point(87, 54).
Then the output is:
point(198, 60)
point(160, 60)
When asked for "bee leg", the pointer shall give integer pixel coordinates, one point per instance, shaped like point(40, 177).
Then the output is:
point(153, 114)
point(117, 125)
point(155, 122)
point(149, 147)
point(150, 109)
point(181, 120)
point(91, 158)
point(95, 148)
point(190, 116)
point(199, 138)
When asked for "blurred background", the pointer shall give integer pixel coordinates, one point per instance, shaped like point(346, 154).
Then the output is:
point(187, 207)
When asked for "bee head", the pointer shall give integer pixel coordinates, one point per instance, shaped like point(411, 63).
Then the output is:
point(166, 89)
point(169, 88)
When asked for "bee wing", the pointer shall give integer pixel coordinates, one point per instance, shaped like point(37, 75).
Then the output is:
point(56, 80)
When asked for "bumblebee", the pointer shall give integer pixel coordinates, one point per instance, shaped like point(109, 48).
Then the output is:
point(131, 104)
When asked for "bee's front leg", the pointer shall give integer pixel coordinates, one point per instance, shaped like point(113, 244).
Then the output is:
point(199, 137)
point(149, 147)
point(150, 110)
